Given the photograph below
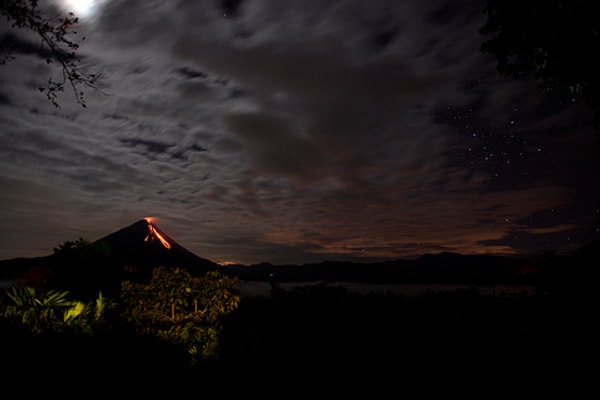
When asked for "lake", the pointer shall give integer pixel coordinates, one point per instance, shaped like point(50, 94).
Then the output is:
point(262, 288)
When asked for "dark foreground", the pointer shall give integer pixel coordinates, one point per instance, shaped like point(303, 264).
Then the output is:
point(323, 340)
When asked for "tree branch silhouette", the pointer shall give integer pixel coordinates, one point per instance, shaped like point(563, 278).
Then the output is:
point(56, 34)
point(555, 41)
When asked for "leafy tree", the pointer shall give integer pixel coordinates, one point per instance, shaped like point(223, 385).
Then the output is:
point(82, 249)
point(84, 268)
point(181, 309)
point(556, 41)
point(56, 34)
point(38, 311)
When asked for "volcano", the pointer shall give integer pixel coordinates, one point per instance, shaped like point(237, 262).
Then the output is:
point(130, 253)
point(143, 245)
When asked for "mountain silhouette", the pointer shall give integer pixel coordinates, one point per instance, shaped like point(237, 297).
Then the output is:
point(143, 245)
point(130, 253)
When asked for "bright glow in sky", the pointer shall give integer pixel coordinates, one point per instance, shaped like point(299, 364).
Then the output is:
point(81, 8)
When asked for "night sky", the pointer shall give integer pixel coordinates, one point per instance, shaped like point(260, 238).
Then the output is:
point(293, 132)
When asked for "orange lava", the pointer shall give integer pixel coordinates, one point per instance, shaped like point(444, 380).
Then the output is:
point(153, 233)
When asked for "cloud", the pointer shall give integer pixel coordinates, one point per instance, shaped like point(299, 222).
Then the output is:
point(272, 131)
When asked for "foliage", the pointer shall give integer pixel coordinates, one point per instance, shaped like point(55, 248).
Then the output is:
point(57, 35)
point(83, 249)
point(84, 268)
point(38, 311)
point(182, 309)
point(555, 40)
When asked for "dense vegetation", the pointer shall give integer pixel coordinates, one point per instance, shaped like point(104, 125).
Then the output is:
point(158, 327)
point(176, 332)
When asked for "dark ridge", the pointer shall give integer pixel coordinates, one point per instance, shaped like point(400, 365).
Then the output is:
point(134, 251)
point(429, 268)
point(130, 253)
point(136, 246)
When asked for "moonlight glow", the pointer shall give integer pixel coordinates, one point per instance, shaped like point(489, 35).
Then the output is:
point(81, 8)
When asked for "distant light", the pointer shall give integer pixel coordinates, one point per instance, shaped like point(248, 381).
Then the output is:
point(81, 8)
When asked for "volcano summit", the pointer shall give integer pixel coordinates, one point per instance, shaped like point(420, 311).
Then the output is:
point(129, 253)
point(144, 245)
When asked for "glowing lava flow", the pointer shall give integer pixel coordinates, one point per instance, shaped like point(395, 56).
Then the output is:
point(154, 234)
